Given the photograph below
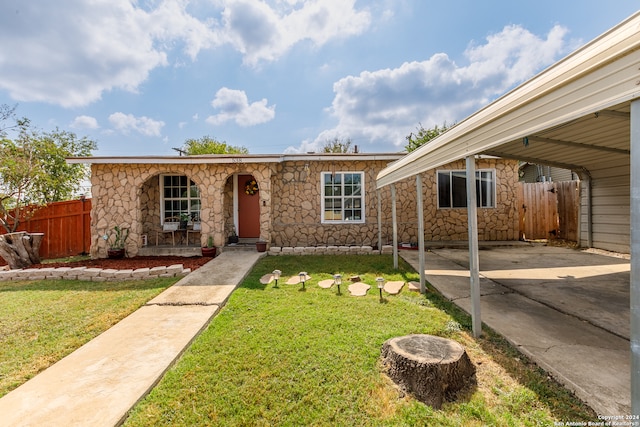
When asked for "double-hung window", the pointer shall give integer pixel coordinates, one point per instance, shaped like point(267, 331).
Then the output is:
point(179, 195)
point(342, 197)
point(452, 189)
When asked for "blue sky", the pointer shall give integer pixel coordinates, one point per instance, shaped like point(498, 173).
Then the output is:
point(276, 76)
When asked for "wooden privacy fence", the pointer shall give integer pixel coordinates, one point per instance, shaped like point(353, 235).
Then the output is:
point(549, 210)
point(66, 227)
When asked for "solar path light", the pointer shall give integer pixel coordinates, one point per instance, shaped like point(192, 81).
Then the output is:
point(276, 276)
point(337, 279)
point(380, 282)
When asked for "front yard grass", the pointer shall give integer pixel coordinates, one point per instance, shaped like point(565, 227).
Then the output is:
point(287, 356)
point(43, 321)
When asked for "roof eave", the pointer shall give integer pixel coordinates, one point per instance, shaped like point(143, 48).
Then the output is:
point(230, 158)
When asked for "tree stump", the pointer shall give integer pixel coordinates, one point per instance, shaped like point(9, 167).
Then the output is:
point(432, 369)
point(21, 249)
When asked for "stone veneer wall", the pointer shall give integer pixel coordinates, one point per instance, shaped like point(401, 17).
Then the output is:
point(297, 210)
point(297, 216)
point(127, 195)
point(290, 202)
point(150, 211)
point(499, 223)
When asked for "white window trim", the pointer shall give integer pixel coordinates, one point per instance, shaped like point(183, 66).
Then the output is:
point(495, 179)
point(362, 198)
point(161, 179)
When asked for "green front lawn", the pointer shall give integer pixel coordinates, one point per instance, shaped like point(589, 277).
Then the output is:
point(284, 356)
point(43, 321)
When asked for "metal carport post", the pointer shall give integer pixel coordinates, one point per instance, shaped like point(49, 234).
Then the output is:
point(635, 253)
point(420, 213)
point(474, 267)
point(394, 220)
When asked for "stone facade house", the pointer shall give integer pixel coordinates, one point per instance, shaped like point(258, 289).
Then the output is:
point(302, 200)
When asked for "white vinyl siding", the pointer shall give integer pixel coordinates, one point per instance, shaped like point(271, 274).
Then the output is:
point(610, 198)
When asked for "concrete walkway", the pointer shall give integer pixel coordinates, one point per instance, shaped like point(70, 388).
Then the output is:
point(100, 382)
point(567, 310)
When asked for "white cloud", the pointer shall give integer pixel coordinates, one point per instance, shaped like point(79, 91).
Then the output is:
point(84, 122)
point(264, 33)
point(514, 55)
point(170, 23)
point(70, 53)
point(234, 105)
point(384, 106)
point(126, 123)
point(306, 146)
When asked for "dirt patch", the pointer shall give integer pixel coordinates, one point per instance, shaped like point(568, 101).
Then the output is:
point(132, 263)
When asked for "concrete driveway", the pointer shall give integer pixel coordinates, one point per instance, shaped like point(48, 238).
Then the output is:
point(568, 310)
point(585, 284)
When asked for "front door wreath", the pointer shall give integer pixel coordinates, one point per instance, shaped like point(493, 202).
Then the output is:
point(251, 187)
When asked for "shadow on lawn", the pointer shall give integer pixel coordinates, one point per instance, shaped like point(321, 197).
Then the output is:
point(562, 403)
point(559, 401)
point(321, 267)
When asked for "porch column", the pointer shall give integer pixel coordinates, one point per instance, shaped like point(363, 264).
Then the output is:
point(394, 220)
point(423, 280)
point(235, 202)
point(266, 206)
point(474, 271)
point(635, 254)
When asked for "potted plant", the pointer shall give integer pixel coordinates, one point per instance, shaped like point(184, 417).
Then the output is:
point(261, 246)
point(209, 250)
point(233, 238)
point(184, 220)
point(116, 246)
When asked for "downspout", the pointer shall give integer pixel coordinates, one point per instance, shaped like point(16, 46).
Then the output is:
point(589, 211)
point(585, 176)
point(580, 210)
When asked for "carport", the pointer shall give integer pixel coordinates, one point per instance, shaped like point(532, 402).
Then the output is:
point(565, 309)
point(583, 114)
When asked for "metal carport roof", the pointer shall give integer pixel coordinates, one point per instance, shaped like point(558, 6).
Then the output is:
point(581, 113)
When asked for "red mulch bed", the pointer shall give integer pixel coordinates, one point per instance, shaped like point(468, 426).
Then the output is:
point(132, 263)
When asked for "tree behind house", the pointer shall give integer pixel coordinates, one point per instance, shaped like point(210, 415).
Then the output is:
point(209, 145)
point(33, 170)
point(337, 145)
point(415, 141)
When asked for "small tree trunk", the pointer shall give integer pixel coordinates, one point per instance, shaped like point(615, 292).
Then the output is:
point(33, 246)
point(21, 249)
point(432, 369)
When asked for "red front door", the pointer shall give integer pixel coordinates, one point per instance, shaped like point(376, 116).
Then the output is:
point(248, 209)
